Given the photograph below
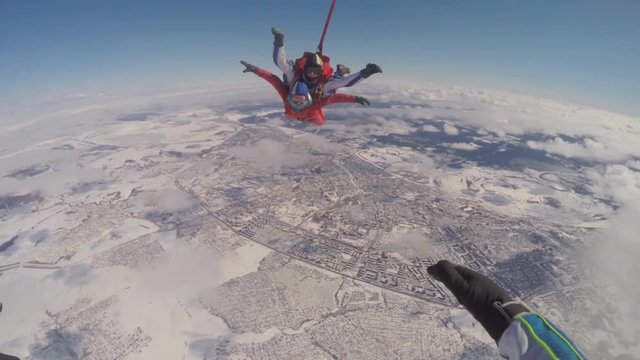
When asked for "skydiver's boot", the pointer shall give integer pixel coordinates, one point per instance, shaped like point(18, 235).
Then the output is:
point(369, 70)
point(278, 37)
point(249, 67)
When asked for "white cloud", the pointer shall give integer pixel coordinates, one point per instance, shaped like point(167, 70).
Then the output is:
point(268, 154)
point(634, 164)
point(415, 162)
point(451, 130)
point(321, 144)
point(430, 128)
point(410, 243)
point(617, 182)
point(368, 122)
point(613, 259)
point(608, 137)
point(64, 172)
point(169, 200)
point(613, 263)
point(164, 296)
point(500, 133)
point(589, 149)
point(464, 146)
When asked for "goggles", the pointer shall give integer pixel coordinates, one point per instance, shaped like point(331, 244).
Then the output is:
point(313, 72)
point(297, 106)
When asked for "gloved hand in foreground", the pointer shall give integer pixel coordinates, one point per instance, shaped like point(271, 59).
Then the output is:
point(483, 298)
point(8, 357)
point(5, 356)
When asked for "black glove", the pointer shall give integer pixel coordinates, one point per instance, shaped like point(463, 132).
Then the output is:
point(369, 70)
point(278, 37)
point(362, 101)
point(249, 67)
point(478, 294)
point(8, 357)
point(343, 70)
point(5, 356)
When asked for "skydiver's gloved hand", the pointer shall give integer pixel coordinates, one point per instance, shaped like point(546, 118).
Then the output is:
point(477, 293)
point(249, 67)
point(343, 70)
point(278, 37)
point(362, 101)
point(369, 70)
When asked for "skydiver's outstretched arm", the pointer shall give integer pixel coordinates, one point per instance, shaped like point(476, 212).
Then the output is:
point(352, 79)
point(272, 79)
point(275, 81)
point(348, 81)
point(343, 99)
point(519, 332)
point(279, 56)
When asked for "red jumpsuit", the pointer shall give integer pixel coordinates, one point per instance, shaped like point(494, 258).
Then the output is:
point(314, 113)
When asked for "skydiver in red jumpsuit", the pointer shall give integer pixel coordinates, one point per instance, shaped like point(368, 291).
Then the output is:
point(298, 102)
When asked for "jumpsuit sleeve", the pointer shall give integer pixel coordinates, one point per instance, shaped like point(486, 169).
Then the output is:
point(530, 336)
point(280, 59)
point(347, 81)
point(337, 98)
point(275, 81)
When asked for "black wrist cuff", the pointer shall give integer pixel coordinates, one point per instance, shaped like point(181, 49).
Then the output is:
point(513, 309)
point(510, 309)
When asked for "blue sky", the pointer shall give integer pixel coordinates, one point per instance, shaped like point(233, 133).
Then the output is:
point(585, 51)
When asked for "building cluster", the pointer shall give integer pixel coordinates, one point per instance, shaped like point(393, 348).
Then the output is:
point(343, 214)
